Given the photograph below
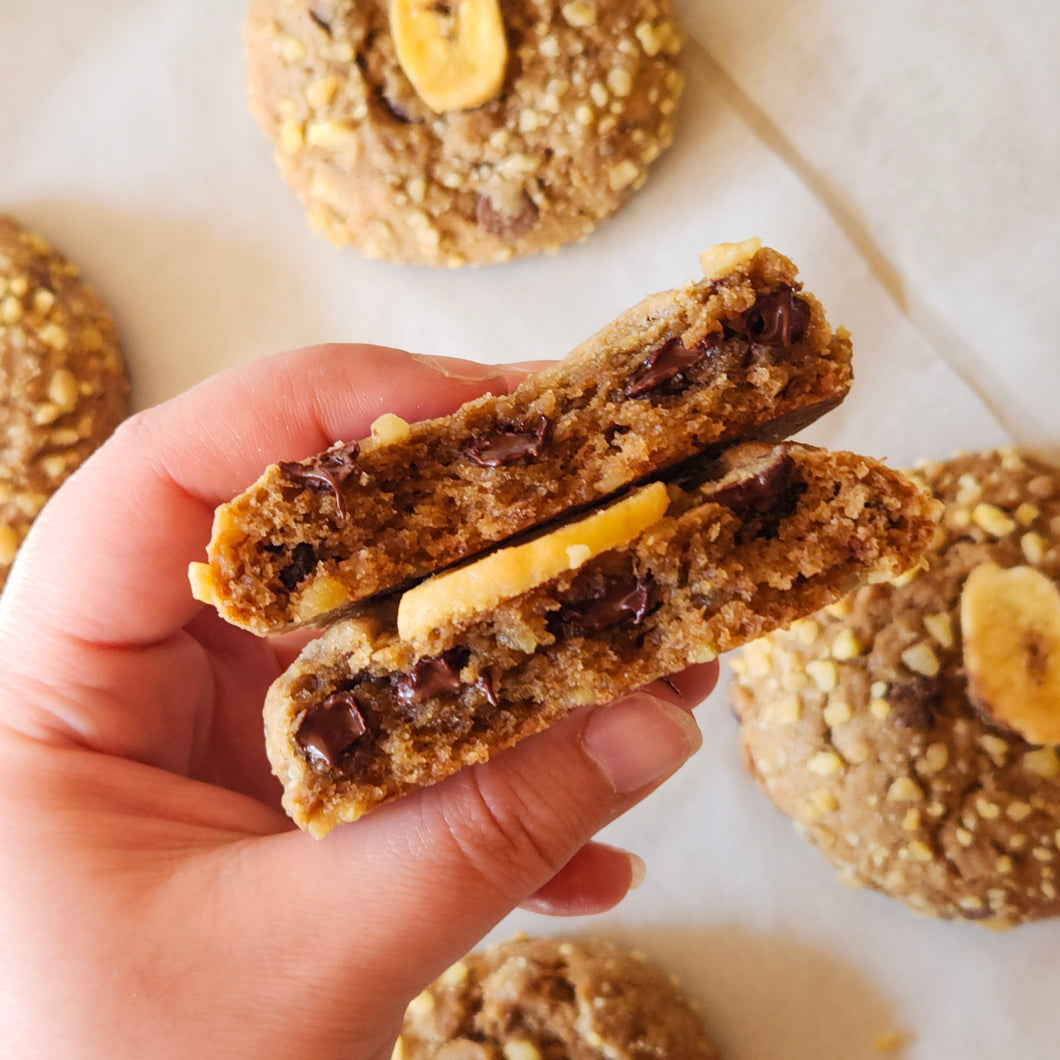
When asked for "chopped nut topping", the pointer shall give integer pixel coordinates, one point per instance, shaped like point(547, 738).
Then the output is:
point(822, 801)
point(921, 659)
point(837, 712)
point(579, 13)
point(935, 758)
point(824, 674)
point(846, 646)
point(940, 626)
point(1042, 762)
point(904, 789)
point(825, 764)
point(454, 975)
point(1034, 547)
point(788, 710)
point(919, 850)
point(8, 544)
point(1026, 513)
point(993, 520)
point(520, 1049)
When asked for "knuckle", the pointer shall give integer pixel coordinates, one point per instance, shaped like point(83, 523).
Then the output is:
point(511, 839)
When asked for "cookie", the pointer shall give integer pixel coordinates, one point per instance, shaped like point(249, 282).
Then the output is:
point(463, 133)
point(62, 378)
point(553, 999)
point(744, 353)
point(468, 663)
point(910, 730)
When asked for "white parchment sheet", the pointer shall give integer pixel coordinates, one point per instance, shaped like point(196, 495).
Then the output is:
point(906, 156)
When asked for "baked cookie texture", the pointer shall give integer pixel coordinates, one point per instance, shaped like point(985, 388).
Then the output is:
point(744, 353)
point(554, 999)
point(866, 725)
point(411, 691)
point(63, 382)
point(585, 104)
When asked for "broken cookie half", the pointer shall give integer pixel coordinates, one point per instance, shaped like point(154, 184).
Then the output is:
point(743, 354)
point(470, 662)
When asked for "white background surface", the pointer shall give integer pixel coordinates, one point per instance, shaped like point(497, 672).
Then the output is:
point(905, 155)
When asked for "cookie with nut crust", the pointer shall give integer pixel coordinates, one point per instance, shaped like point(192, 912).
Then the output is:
point(467, 132)
point(554, 999)
point(63, 383)
point(907, 730)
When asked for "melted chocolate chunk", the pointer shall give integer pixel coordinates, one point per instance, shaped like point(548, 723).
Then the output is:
point(779, 318)
point(303, 560)
point(506, 445)
point(485, 685)
point(623, 598)
point(505, 223)
point(666, 364)
point(326, 472)
point(914, 702)
point(330, 728)
point(431, 676)
point(760, 487)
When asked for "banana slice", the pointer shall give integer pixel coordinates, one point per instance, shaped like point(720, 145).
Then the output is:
point(457, 595)
point(1010, 626)
point(454, 52)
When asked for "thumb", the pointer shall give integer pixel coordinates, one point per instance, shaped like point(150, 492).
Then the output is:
point(388, 903)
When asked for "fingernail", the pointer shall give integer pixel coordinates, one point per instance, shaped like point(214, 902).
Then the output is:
point(456, 368)
point(640, 740)
point(637, 870)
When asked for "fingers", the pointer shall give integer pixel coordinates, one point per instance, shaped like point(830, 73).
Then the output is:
point(597, 878)
point(108, 557)
point(92, 620)
point(458, 857)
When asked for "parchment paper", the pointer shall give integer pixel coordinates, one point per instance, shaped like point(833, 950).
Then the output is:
point(839, 132)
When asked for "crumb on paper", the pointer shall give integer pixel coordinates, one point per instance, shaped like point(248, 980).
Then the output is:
point(890, 1042)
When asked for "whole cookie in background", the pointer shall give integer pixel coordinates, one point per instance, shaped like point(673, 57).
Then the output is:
point(553, 999)
point(910, 730)
point(62, 378)
point(465, 132)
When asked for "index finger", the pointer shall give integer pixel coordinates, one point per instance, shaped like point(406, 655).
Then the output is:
point(107, 559)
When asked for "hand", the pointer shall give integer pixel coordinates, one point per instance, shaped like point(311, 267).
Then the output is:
point(154, 899)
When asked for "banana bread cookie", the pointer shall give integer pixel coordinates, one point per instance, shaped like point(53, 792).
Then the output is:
point(464, 132)
point(62, 378)
point(553, 999)
point(911, 729)
point(744, 353)
point(469, 662)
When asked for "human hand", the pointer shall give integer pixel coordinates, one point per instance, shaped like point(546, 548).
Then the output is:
point(155, 900)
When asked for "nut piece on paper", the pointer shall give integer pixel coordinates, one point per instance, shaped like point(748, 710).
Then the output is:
point(1010, 624)
point(454, 53)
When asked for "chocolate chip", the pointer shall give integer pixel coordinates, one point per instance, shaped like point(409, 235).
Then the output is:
point(779, 318)
point(667, 362)
point(508, 220)
point(622, 598)
point(393, 107)
point(485, 685)
point(759, 486)
point(506, 445)
point(303, 560)
point(913, 703)
point(433, 675)
point(326, 472)
point(330, 728)
point(319, 19)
